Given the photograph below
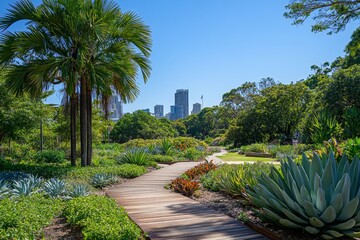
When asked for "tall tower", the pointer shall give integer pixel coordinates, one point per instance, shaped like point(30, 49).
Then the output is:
point(159, 111)
point(182, 103)
point(116, 107)
point(196, 108)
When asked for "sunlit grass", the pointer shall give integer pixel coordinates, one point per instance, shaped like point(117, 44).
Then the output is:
point(239, 158)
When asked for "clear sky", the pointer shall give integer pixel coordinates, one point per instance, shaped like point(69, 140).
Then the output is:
point(212, 46)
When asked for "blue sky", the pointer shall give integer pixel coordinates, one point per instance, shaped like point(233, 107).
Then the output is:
point(212, 46)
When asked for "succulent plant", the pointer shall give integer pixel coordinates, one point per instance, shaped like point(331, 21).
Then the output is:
point(26, 186)
point(56, 188)
point(79, 190)
point(101, 180)
point(320, 197)
point(4, 189)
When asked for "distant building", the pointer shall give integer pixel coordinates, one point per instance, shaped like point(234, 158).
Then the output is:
point(147, 110)
point(196, 108)
point(116, 107)
point(181, 107)
point(159, 111)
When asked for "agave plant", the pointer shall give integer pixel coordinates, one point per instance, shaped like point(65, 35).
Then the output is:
point(321, 196)
point(101, 180)
point(56, 188)
point(26, 186)
point(4, 189)
point(79, 190)
point(135, 156)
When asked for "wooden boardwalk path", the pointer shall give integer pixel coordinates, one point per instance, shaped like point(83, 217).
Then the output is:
point(163, 214)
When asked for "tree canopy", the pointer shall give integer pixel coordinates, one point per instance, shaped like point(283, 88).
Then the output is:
point(141, 125)
point(329, 15)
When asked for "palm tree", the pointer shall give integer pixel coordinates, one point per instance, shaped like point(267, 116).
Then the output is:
point(48, 51)
point(118, 44)
point(90, 43)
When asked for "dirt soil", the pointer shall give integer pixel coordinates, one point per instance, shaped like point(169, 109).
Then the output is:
point(233, 207)
point(60, 230)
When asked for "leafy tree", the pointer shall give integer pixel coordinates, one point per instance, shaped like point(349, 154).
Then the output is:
point(87, 43)
point(141, 125)
point(180, 127)
point(344, 91)
point(18, 116)
point(328, 14)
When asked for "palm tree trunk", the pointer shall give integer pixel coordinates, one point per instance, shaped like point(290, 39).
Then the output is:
point(89, 127)
point(83, 121)
point(73, 115)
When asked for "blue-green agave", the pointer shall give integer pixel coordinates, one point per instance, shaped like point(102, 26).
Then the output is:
point(318, 196)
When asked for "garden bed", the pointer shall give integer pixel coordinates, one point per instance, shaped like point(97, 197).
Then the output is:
point(233, 207)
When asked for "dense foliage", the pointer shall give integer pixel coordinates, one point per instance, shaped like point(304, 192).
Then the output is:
point(101, 218)
point(141, 125)
point(25, 217)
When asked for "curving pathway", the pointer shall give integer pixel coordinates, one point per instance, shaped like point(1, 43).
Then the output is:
point(163, 214)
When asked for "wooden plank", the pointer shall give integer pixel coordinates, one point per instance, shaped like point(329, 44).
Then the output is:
point(163, 214)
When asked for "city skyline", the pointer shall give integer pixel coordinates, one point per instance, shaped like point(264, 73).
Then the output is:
point(211, 55)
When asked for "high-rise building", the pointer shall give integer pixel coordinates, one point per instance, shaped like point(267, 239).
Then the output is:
point(196, 108)
point(147, 110)
point(116, 107)
point(159, 111)
point(181, 103)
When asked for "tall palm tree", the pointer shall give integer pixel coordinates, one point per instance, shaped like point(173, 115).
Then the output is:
point(48, 51)
point(90, 43)
point(117, 45)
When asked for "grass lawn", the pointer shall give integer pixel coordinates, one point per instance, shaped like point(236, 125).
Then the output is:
point(238, 157)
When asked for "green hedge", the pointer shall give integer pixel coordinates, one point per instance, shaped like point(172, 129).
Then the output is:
point(101, 218)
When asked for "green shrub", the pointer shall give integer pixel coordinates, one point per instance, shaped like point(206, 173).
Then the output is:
point(140, 143)
point(193, 154)
point(352, 147)
point(233, 179)
point(320, 197)
point(161, 158)
point(210, 180)
point(49, 156)
point(167, 147)
point(256, 147)
point(135, 156)
point(74, 173)
point(124, 171)
point(182, 143)
point(24, 217)
point(101, 218)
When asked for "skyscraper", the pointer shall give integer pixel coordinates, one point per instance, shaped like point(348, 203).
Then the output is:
point(196, 108)
point(159, 111)
point(181, 103)
point(116, 107)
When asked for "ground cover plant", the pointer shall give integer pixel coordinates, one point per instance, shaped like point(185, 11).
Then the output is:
point(101, 218)
point(320, 196)
point(234, 179)
point(25, 217)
